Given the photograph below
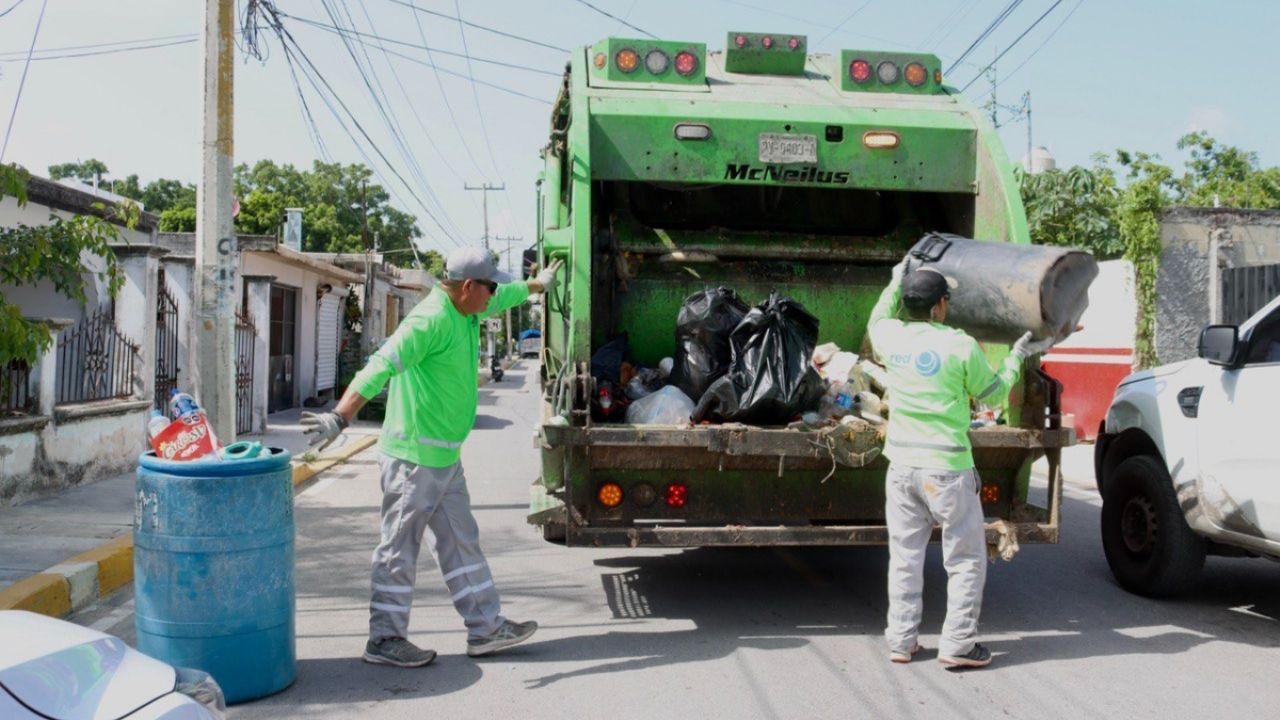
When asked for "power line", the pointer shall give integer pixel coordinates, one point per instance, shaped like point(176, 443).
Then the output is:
point(613, 17)
point(94, 53)
point(23, 82)
point(1013, 44)
point(93, 46)
point(840, 24)
point(382, 104)
point(1039, 47)
point(12, 8)
point(948, 23)
point(811, 23)
point(317, 79)
point(468, 23)
point(381, 39)
point(1004, 14)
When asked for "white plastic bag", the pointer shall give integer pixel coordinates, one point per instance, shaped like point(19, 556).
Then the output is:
point(668, 406)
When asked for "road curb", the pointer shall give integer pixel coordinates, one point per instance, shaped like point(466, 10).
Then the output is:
point(81, 580)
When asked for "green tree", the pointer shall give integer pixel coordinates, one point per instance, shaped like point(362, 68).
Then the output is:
point(1074, 208)
point(89, 171)
point(52, 252)
point(1226, 176)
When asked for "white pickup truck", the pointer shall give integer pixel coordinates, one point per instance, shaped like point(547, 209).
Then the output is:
point(1188, 459)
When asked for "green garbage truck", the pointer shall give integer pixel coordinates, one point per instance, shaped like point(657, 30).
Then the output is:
point(669, 170)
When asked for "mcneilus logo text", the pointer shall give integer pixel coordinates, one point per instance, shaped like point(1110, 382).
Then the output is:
point(777, 173)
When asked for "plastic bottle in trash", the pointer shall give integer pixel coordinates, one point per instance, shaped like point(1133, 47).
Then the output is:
point(157, 423)
point(181, 404)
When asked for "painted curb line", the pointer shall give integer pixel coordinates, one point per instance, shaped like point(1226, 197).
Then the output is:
point(81, 580)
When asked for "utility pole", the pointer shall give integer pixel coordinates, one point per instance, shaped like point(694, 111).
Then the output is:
point(366, 316)
point(217, 253)
point(486, 188)
point(511, 337)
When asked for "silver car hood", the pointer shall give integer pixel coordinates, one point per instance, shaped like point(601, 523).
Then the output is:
point(62, 670)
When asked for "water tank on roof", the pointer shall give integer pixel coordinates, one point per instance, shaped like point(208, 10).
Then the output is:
point(1039, 160)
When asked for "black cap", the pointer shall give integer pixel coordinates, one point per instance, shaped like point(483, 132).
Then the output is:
point(923, 288)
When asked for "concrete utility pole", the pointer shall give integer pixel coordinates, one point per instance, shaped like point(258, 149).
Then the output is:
point(511, 337)
point(486, 189)
point(217, 253)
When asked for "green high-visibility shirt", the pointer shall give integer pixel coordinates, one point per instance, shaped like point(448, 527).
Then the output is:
point(431, 361)
point(933, 371)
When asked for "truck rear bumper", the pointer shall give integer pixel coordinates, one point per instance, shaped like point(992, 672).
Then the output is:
point(743, 536)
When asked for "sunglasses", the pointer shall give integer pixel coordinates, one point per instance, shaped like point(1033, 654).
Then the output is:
point(493, 286)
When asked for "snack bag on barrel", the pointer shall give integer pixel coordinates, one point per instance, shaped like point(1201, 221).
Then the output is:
point(187, 438)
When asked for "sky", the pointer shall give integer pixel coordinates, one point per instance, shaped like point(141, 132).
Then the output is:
point(1102, 75)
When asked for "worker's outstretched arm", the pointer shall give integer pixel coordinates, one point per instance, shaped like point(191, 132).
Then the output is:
point(991, 387)
point(512, 294)
point(886, 307)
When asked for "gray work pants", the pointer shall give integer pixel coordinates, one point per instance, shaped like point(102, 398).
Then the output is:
point(417, 499)
point(915, 500)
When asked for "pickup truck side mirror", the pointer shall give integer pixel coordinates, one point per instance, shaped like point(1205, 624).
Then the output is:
point(1220, 344)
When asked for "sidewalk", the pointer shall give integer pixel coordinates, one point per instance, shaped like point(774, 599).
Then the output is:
point(43, 534)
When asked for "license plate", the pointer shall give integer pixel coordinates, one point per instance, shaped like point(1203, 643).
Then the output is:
point(783, 149)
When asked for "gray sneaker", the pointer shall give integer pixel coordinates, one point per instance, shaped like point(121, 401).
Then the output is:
point(398, 652)
point(978, 657)
point(505, 636)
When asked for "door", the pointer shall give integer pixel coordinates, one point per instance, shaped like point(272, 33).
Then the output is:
point(1239, 449)
point(327, 341)
point(283, 347)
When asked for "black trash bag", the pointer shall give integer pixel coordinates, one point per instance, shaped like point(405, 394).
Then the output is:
point(703, 327)
point(771, 379)
point(606, 363)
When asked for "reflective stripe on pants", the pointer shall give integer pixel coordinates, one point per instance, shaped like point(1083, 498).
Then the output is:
point(419, 500)
point(916, 499)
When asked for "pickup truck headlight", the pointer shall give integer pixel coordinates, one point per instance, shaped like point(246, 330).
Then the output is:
point(201, 687)
point(1189, 401)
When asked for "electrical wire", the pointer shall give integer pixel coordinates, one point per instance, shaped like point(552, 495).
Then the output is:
point(1039, 47)
point(840, 24)
point(321, 85)
point(1004, 15)
point(468, 23)
point(94, 46)
point(23, 82)
point(95, 53)
point(948, 24)
point(1012, 45)
point(811, 23)
point(390, 120)
point(614, 17)
point(12, 8)
point(403, 43)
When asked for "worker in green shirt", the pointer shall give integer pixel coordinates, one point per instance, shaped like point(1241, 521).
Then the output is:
point(431, 362)
point(933, 371)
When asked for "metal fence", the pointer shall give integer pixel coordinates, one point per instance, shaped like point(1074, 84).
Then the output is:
point(166, 344)
point(246, 335)
point(95, 360)
point(15, 389)
point(1246, 290)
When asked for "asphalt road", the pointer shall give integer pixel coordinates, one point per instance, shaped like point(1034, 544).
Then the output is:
point(750, 633)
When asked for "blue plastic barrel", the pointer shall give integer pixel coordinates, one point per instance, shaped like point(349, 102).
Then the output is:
point(213, 569)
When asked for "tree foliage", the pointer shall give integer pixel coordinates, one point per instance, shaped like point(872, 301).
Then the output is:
point(1074, 208)
point(55, 253)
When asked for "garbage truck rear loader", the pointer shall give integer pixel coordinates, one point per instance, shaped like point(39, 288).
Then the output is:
point(670, 170)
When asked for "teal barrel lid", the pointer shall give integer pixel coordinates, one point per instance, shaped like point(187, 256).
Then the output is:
point(241, 458)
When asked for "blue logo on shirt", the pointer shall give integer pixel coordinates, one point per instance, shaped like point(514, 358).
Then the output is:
point(928, 363)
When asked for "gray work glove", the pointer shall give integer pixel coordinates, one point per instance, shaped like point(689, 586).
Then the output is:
point(547, 276)
point(326, 427)
point(1025, 347)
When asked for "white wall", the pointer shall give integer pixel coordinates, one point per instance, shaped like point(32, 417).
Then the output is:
point(1112, 316)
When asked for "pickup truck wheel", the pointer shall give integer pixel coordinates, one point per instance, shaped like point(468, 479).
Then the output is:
point(1148, 544)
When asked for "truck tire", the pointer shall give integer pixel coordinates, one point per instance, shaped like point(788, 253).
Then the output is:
point(1149, 546)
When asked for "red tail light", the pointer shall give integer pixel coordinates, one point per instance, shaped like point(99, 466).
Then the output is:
point(990, 494)
point(767, 42)
point(740, 40)
point(793, 43)
point(677, 493)
point(860, 71)
point(686, 62)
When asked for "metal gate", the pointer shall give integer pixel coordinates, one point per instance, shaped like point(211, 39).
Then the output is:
point(1246, 290)
point(166, 344)
point(246, 335)
point(95, 360)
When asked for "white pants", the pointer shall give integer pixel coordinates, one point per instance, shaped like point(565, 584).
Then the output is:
point(916, 499)
point(417, 499)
